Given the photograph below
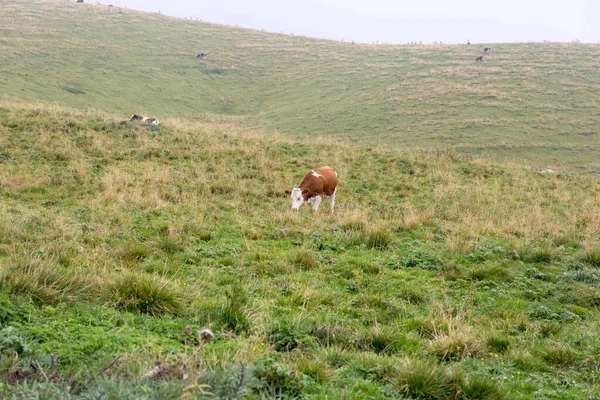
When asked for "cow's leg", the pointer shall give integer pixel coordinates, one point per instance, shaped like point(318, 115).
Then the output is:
point(332, 201)
point(314, 202)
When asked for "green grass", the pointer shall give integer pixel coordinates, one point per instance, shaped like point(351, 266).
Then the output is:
point(529, 104)
point(115, 238)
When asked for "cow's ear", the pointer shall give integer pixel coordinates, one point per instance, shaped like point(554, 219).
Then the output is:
point(288, 192)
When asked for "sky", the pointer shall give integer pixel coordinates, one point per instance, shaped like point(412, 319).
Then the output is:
point(398, 21)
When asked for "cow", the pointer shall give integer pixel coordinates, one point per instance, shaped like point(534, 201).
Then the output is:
point(201, 55)
point(150, 120)
point(480, 58)
point(318, 183)
point(487, 50)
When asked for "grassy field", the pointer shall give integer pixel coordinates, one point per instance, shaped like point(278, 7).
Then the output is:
point(451, 269)
point(529, 104)
point(437, 277)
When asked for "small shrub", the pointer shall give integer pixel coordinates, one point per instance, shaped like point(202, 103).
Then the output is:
point(286, 335)
point(379, 239)
point(534, 273)
point(145, 295)
point(274, 380)
point(542, 312)
point(8, 311)
point(12, 341)
point(304, 258)
point(583, 275)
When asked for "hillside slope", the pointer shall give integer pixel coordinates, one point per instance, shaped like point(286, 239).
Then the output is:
point(533, 104)
point(437, 277)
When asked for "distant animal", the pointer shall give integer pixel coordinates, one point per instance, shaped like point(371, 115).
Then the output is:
point(150, 120)
point(201, 55)
point(468, 42)
point(317, 184)
point(80, 1)
point(480, 58)
point(487, 50)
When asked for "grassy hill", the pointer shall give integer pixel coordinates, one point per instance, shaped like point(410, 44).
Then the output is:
point(437, 276)
point(530, 104)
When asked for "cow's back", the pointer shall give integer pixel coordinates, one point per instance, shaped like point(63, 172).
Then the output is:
point(329, 179)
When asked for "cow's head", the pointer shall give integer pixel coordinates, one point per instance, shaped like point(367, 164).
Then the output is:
point(298, 197)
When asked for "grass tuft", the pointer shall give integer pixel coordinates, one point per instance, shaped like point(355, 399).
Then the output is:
point(454, 340)
point(133, 252)
point(559, 355)
point(145, 294)
point(592, 257)
point(379, 238)
point(304, 258)
point(497, 343)
point(424, 380)
point(47, 284)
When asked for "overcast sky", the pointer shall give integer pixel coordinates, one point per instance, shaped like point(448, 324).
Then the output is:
point(399, 21)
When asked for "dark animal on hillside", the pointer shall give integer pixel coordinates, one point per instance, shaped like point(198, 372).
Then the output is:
point(487, 50)
point(480, 58)
point(150, 120)
point(318, 183)
point(80, 1)
point(201, 55)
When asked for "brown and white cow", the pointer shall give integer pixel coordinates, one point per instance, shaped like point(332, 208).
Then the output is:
point(318, 183)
